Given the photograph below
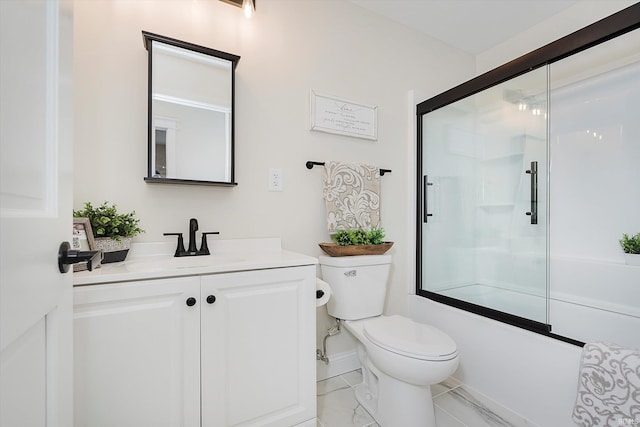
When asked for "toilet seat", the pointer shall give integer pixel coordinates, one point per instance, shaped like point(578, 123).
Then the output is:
point(403, 336)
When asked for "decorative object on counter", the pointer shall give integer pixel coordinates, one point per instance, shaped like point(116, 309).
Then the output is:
point(113, 231)
point(352, 195)
point(82, 242)
point(631, 247)
point(114, 250)
point(357, 242)
point(192, 250)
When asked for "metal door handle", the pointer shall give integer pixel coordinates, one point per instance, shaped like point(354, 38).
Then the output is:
point(425, 203)
point(66, 257)
point(534, 192)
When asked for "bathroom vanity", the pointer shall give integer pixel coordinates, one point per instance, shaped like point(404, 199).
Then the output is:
point(220, 340)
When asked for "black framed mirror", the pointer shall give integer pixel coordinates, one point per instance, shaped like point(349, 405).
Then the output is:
point(190, 113)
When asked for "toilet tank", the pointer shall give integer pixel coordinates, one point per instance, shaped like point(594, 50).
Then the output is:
point(358, 285)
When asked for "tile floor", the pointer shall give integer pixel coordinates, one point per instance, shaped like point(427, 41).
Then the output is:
point(455, 405)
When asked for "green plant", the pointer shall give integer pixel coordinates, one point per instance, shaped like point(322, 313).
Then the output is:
point(107, 222)
point(630, 244)
point(359, 236)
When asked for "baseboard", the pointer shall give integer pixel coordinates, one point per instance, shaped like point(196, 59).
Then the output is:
point(339, 364)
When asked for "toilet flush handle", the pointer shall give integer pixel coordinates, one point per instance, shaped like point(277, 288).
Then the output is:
point(350, 273)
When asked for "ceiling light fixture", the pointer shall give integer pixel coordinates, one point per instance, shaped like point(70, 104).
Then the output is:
point(248, 6)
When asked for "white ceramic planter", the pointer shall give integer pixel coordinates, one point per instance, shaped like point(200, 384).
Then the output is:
point(632, 259)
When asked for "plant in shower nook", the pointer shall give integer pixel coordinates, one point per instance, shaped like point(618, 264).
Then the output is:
point(630, 244)
point(631, 247)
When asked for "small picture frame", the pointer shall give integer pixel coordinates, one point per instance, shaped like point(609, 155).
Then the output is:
point(82, 240)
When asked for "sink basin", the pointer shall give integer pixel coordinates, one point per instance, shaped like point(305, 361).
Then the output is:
point(202, 261)
point(164, 263)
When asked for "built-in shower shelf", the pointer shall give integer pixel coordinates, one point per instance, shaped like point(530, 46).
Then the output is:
point(503, 157)
point(508, 148)
point(506, 205)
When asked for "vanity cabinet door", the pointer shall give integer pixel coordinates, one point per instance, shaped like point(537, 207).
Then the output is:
point(137, 354)
point(258, 348)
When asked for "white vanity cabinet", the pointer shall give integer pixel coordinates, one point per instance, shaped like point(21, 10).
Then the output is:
point(258, 348)
point(137, 354)
point(214, 350)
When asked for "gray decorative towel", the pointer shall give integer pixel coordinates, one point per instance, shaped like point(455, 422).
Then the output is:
point(608, 386)
point(352, 195)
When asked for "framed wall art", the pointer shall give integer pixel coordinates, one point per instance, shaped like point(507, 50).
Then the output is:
point(339, 116)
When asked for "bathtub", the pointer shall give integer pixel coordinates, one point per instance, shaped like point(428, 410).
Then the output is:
point(589, 300)
point(592, 300)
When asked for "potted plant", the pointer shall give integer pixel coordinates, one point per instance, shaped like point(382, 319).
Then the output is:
point(357, 242)
point(112, 231)
point(631, 247)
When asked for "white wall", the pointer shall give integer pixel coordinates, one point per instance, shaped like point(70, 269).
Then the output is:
point(287, 49)
point(583, 13)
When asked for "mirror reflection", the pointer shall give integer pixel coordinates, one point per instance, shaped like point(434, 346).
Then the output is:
point(191, 106)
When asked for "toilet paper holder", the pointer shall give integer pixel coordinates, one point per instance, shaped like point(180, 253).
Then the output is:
point(323, 292)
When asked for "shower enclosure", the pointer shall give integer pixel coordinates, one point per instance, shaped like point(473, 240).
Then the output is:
point(528, 175)
point(484, 216)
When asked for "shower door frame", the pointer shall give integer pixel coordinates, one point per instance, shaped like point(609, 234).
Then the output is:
point(592, 35)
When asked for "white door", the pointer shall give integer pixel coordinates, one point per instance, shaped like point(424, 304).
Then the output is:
point(35, 212)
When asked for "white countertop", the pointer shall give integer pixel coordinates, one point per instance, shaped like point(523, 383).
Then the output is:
point(156, 260)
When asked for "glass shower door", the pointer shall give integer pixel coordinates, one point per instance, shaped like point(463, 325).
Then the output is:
point(484, 212)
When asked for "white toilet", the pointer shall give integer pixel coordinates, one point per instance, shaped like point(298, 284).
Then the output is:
point(400, 358)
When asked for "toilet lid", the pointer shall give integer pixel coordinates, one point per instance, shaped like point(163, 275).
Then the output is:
point(408, 338)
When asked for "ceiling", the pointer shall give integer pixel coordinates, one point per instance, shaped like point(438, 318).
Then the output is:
point(470, 25)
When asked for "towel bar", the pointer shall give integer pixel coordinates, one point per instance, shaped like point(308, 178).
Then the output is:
point(311, 164)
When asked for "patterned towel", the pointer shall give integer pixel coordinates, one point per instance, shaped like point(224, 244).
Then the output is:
point(608, 386)
point(352, 195)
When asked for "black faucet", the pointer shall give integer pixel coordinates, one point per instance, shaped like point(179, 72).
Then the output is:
point(193, 227)
point(192, 250)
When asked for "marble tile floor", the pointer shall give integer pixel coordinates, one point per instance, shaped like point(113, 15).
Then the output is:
point(455, 405)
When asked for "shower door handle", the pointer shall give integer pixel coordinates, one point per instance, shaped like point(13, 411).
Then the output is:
point(534, 192)
point(425, 203)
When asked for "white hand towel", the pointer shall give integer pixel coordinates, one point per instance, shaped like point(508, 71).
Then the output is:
point(352, 195)
point(608, 386)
